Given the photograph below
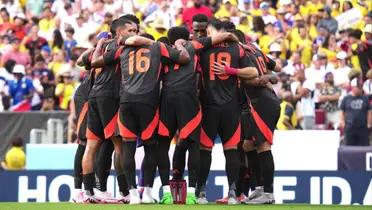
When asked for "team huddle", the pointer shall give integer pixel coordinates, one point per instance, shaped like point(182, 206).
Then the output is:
point(138, 92)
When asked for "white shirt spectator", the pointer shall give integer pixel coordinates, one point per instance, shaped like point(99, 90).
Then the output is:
point(13, 8)
point(367, 87)
point(341, 75)
point(36, 99)
point(308, 105)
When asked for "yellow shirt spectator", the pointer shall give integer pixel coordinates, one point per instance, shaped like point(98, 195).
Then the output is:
point(65, 91)
point(223, 12)
point(46, 25)
point(157, 30)
point(287, 116)
point(15, 158)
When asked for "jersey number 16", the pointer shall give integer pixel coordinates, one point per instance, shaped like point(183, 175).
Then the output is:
point(142, 61)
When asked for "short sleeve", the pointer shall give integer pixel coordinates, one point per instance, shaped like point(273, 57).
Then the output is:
point(343, 104)
point(170, 53)
point(201, 44)
point(112, 56)
point(288, 112)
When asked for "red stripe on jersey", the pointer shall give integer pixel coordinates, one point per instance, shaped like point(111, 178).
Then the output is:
point(163, 50)
point(160, 71)
point(91, 56)
point(149, 131)
point(191, 125)
point(241, 51)
point(125, 132)
point(111, 127)
point(92, 136)
point(205, 140)
point(116, 68)
point(117, 54)
point(163, 130)
point(195, 62)
point(82, 115)
point(197, 45)
point(235, 139)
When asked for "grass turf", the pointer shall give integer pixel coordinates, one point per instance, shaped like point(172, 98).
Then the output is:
point(70, 206)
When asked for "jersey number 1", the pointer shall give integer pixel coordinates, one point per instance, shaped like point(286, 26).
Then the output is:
point(142, 62)
point(261, 65)
point(222, 56)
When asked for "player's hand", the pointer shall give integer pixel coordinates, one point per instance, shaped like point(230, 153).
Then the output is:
point(263, 80)
point(101, 41)
point(251, 48)
point(219, 69)
point(180, 41)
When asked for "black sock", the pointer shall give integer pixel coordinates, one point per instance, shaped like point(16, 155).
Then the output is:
point(232, 167)
point(179, 162)
point(88, 180)
point(163, 159)
point(267, 168)
point(149, 163)
point(104, 163)
point(243, 170)
point(129, 163)
point(193, 163)
point(254, 169)
point(205, 166)
point(78, 168)
point(123, 184)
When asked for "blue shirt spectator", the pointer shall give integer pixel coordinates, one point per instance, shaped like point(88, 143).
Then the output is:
point(20, 88)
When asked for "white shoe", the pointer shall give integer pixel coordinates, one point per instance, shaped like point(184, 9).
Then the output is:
point(105, 197)
point(91, 199)
point(202, 199)
point(123, 199)
point(78, 198)
point(147, 196)
point(258, 192)
point(232, 198)
point(134, 197)
point(265, 198)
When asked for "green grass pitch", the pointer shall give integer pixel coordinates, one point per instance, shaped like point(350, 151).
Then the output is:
point(70, 206)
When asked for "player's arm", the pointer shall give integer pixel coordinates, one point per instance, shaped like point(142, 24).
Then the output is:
point(224, 37)
point(85, 58)
point(246, 73)
point(205, 43)
point(178, 55)
point(136, 41)
point(271, 64)
point(111, 57)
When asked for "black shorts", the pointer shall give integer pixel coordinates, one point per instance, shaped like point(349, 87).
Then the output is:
point(138, 118)
point(102, 118)
point(223, 120)
point(180, 110)
point(246, 123)
point(265, 114)
point(81, 109)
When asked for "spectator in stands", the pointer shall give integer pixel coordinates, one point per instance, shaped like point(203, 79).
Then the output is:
point(368, 33)
point(266, 16)
point(65, 89)
point(197, 8)
point(6, 23)
point(46, 53)
point(367, 86)
point(15, 158)
point(305, 93)
point(34, 8)
point(356, 116)
point(288, 118)
point(36, 101)
point(21, 90)
point(49, 104)
point(70, 42)
point(19, 26)
point(294, 64)
point(12, 6)
point(42, 73)
point(34, 42)
point(58, 43)
point(341, 73)
point(329, 98)
point(363, 51)
point(14, 53)
point(47, 23)
point(327, 21)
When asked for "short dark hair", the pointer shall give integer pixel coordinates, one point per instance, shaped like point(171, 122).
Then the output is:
point(9, 65)
point(178, 32)
point(121, 22)
point(17, 142)
point(74, 57)
point(133, 19)
point(39, 59)
point(356, 34)
point(228, 26)
point(113, 27)
point(164, 40)
point(240, 35)
point(215, 23)
point(149, 36)
point(200, 18)
point(70, 30)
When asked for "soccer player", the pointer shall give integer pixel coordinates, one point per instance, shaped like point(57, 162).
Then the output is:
point(219, 98)
point(265, 109)
point(139, 101)
point(103, 105)
point(81, 108)
point(199, 26)
point(180, 109)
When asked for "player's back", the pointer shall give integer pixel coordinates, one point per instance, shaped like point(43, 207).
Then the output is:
point(181, 77)
point(140, 68)
point(107, 79)
point(217, 89)
point(263, 64)
point(88, 80)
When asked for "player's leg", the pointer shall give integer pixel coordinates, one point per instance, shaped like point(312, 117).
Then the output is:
point(128, 127)
point(230, 133)
point(148, 115)
point(209, 129)
point(189, 121)
point(94, 137)
point(123, 197)
point(167, 129)
point(266, 119)
point(81, 108)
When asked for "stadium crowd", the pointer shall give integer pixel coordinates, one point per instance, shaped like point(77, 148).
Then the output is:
point(45, 39)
